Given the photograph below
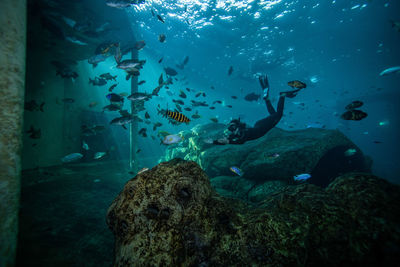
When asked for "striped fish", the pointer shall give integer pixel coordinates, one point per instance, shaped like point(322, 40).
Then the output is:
point(177, 116)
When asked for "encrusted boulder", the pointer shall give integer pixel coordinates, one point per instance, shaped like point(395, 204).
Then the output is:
point(278, 155)
point(171, 216)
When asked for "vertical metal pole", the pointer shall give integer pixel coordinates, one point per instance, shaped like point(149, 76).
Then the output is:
point(133, 134)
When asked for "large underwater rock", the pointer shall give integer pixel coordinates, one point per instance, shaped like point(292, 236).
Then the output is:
point(171, 216)
point(320, 152)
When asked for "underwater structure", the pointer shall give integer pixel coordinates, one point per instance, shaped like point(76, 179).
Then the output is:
point(171, 216)
point(199, 133)
point(278, 155)
point(12, 82)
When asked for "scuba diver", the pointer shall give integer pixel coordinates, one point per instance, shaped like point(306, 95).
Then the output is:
point(238, 133)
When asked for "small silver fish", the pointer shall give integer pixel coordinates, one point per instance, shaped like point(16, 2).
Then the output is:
point(390, 71)
point(72, 157)
point(99, 155)
point(172, 139)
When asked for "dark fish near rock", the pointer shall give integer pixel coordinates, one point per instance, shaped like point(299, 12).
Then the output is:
point(196, 116)
point(214, 120)
point(34, 133)
point(123, 121)
point(355, 104)
point(234, 97)
point(115, 98)
point(160, 60)
point(112, 107)
point(157, 90)
point(139, 96)
point(252, 97)
point(170, 71)
point(178, 101)
point(156, 125)
point(143, 132)
point(162, 38)
point(95, 60)
point(354, 115)
point(199, 104)
point(112, 87)
point(107, 76)
point(98, 81)
point(178, 107)
point(198, 94)
point(131, 73)
point(182, 94)
point(230, 71)
point(131, 64)
point(34, 106)
point(118, 54)
point(160, 79)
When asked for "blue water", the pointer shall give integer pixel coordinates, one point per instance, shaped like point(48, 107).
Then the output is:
point(337, 47)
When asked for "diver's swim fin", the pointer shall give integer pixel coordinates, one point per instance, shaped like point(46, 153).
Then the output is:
point(289, 94)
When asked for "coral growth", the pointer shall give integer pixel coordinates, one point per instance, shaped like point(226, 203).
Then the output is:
point(171, 216)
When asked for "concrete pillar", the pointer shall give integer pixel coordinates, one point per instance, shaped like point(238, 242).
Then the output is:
point(12, 79)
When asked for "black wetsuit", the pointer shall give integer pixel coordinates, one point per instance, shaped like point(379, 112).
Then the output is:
point(241, 134)
point(262, 126)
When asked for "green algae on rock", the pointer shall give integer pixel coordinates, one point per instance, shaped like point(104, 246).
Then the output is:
point(171, 216)
point(320, 152)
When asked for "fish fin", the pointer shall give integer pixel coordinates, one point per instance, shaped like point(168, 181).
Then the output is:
point(41, 107)
point(123, 126)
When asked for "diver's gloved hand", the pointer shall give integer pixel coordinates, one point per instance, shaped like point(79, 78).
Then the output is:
point(264, 85)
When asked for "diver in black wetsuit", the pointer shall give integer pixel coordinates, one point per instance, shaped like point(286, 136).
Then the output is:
point(238, 133)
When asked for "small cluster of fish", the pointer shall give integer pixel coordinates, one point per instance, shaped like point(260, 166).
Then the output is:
point(73, 157)
point(123, 3)
point(298, 178)
point(352, 113)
